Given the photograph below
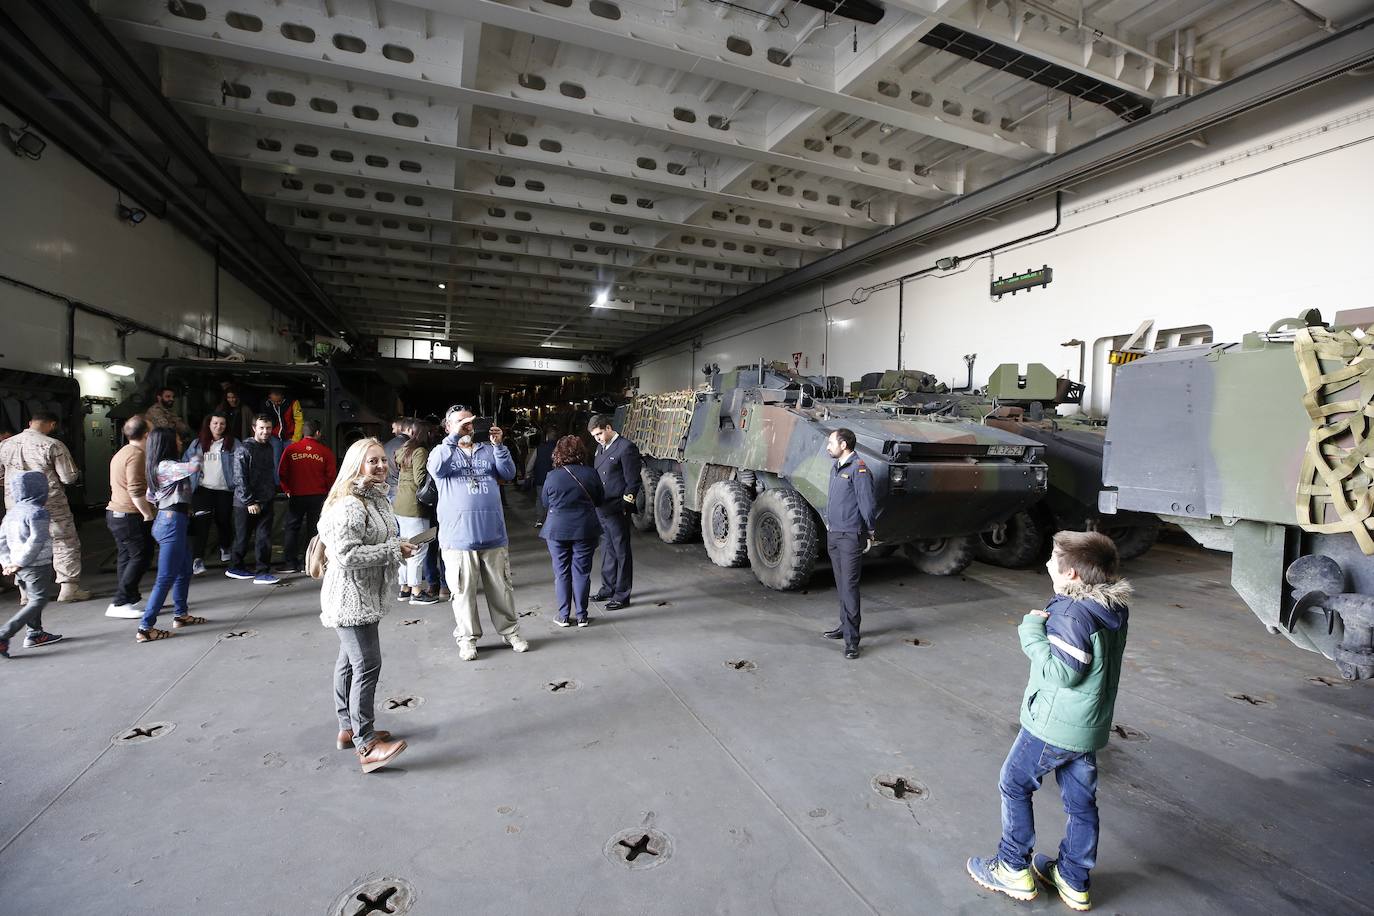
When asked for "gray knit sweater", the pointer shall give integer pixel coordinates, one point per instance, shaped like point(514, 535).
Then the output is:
point(363, 549)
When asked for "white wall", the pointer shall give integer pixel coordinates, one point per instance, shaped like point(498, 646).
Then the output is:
point(60, 233)
point(1272, 217)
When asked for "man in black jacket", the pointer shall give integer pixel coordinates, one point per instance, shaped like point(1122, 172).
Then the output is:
point(254, 488)
point(617, 464)
point(543, 464)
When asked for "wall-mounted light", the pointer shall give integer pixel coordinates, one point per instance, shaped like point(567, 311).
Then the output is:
point(131, 215)
point(601, 299)
point(22, 142)
point(443, 286)
point(119, 369)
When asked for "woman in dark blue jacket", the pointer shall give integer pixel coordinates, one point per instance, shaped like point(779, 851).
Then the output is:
point(572, 491)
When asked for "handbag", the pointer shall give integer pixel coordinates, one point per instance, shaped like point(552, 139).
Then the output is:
point(428, 494)
point(315, 559)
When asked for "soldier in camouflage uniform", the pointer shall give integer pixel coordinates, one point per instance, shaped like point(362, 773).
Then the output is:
point(35, 449)
point(162, 415)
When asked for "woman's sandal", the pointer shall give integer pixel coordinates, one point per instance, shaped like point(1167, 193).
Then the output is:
point(187, 621)
point(152, 635)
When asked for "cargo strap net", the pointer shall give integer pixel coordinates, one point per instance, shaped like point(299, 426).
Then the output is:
point(657, 423)
point(1334, 487)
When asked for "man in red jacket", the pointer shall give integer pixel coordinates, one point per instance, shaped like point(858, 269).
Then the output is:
point(307, 470)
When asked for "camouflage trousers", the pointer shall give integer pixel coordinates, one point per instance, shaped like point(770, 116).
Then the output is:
point(66, 546)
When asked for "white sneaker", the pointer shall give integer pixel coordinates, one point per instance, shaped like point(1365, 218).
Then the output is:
point(224, 556)
point(517, 643)
point(467, 652)
point(198, 567)
point(124, 611)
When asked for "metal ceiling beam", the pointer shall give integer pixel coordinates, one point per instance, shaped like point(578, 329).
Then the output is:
point(242, 48)
point(93, 43)
point(1346, 50)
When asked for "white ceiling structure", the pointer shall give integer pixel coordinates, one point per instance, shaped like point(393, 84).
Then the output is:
point(519, 175)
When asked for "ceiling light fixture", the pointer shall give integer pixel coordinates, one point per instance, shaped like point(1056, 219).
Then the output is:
point(601, 299)
point(443, 286)
point(119, 369)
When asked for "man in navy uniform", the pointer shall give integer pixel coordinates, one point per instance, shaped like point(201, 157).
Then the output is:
point(849, 512)
point(617, 464)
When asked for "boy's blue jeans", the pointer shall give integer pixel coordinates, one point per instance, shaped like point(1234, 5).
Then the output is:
point(39, 584)
point(1029, 761)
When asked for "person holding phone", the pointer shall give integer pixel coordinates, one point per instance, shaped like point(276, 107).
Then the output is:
point(472, 528)
point(363, 548)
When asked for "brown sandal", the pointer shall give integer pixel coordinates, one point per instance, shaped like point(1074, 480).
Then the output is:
point(151, 635)
point(187, 621)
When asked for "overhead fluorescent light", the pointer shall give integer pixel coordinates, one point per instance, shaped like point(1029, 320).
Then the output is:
point(119, 369)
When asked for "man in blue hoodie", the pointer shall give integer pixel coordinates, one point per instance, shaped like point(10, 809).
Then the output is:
point(472, 530)
point(26, 554)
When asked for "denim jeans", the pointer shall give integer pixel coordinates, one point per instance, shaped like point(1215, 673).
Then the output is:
point(133, 551)
point(173, 566)
point(355, 680)
point(40, 586)
point(1029, 761)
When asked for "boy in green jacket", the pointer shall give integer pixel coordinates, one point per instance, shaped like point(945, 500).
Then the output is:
point(1075, 647)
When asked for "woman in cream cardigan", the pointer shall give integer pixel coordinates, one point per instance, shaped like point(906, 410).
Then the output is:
point(363, 547)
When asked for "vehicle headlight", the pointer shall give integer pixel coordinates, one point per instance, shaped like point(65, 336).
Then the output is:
point(1006, 451)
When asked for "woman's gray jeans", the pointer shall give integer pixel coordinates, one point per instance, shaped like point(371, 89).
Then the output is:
point(355, 680)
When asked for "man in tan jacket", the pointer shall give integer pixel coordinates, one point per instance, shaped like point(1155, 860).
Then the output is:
point(35, 449)
point(129, 516)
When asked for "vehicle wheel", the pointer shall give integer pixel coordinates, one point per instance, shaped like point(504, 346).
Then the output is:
point(643, 517)
point(725, 522)
point(1133, 541)
point(941, 556)
point(782, 539)
point(676, 523)
point(1014, 544)
point(883, 551)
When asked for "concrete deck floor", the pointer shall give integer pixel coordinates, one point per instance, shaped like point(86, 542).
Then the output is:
point(760, 777)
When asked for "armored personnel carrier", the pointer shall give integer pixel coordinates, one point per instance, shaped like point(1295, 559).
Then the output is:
point(1261, 448)
point(741, 463)
point(1023, 403)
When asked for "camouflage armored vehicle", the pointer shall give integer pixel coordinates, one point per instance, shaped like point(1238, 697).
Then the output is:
point(1261, 448)
point(741, 462)
point(1023, 404)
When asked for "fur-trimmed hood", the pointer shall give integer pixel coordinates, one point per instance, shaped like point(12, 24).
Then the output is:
point(1108, 594)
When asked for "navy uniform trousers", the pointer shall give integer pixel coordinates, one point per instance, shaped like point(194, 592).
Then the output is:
point(617, 563)
point(846, 555)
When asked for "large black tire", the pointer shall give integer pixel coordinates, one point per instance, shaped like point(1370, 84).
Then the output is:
point(676, 523)
point(782, 539)
point(725, 523)
point(1134, 541)
point(1015, 543)
point(942, 556)
point(643, 516)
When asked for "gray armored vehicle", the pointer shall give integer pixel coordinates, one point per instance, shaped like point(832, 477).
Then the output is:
point(741, 462)
point(1260, 448)
point(1023, 404)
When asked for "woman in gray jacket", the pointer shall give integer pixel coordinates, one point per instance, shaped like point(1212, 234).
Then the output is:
point(362, 549)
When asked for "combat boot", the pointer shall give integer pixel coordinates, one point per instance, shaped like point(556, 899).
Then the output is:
point(72, 591)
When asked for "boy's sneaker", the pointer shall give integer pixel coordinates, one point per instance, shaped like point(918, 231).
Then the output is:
point(993, 874)
point(197, 567)
point(40, 639)
point(584, 621)
point(1047, 870)
point(265, 579)
point(4, 648)
point(423, 598)
point(234, 572)
point(560, 622)
point(124, 611)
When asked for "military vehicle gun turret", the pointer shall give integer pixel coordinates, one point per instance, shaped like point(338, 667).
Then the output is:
point(1024, 403)
point(741, 462)
point(1262, 448)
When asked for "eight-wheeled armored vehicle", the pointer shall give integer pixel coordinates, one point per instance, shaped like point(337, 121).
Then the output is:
point(741, 461)
point(1261, 448)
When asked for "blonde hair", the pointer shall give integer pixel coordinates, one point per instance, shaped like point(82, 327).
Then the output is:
point(349, 469)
